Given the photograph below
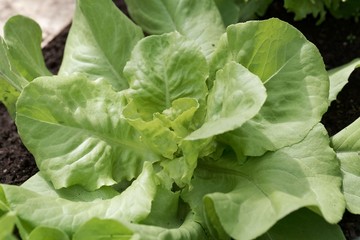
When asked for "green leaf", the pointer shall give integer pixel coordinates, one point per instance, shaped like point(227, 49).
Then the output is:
point(182, 116)
point(229, 11)
point(162, 69)
point(73, 127)
point(165, 135)
point(74, 193)
point(252, 9)
point(8, 96)
point(236, 97)
point(7, 70)
point(7, 223)
point(123, 213)
point(293, 74)
point(154, 133)
point(339, 77)
point(105, 229)
point(303, 224)
point(230, 196)
point(100, 42)
point(181, 169)
point(189, 229)
point(125, 207)
point(346, 144)
point(23, 37)
point(164, 132)
point(167, 211)
point(197, 20)
point(346, 9)
point(305, 7)
point(47, 233)
point(21, 59)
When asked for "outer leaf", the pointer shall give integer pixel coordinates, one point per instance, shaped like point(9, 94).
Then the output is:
point(303, 224)
point(190, 229)
point(236, 97)
point(21, 59)
point(252, 9)
point(108, 229)
point(229, 11)
point(270, 186)
point(8, 96)
point(305, 7)
point(163, 69)
point(198, 20)
point(339, 77)
point(6, 69)
point(73, 126)
point(347, 146)
point(126, 207)
point(47, 233)
point(7, 223)
point(293, 73)
point(106, 37)
point(75, 193)
point(23, 37)
point(346, 9)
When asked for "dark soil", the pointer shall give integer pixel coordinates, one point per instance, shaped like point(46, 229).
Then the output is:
point(337, 40)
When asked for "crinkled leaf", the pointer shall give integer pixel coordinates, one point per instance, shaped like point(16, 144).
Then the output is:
point(198, 20)
point(231, 196)
point(47, 233)
point(100, 42)
point(303, 224)
point(236, 97)
point(162, 69)
point(339, 77)
point(157, 136)
point(347, 147)
point(182, 116)
point(165, 135)
point(23, 37)
point(305, 7)
point(181, 169)
point(73, 127)
point(294, 76)
point(164, 132)
point(106, 229)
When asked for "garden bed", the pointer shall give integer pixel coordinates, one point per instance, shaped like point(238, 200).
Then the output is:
point(337, 40)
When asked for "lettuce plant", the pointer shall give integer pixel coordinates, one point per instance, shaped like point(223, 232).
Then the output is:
point(196, 131)
point(242, 10)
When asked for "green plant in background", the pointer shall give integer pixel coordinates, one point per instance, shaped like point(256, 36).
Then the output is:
point(242, 10)
point(195, 132)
